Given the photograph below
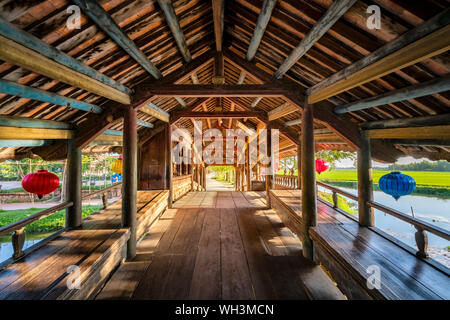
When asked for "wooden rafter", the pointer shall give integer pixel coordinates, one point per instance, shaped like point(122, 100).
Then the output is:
point(283, 110)
point(419, 90)
point(99, 16)
point(334, 12)
point(423, 42)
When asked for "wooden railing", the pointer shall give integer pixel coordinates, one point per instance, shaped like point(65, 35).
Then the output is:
point(286, 181)
point(420, 225)
point(18, 228)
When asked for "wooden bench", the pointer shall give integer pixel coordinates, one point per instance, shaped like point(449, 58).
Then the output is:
point(97, 248)
point(181, 186)
point(349, 251)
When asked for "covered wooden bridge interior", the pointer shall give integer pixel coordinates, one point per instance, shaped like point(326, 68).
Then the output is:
point(133, 71)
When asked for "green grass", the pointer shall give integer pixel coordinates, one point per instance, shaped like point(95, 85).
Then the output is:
point(423, 178)
point(428, 183)
point(53, 222)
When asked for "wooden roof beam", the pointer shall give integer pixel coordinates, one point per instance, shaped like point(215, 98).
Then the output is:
point(283, 110)
point(100, 17)
point(174, 25)
point(144, 124)
point(334, 12)
point(441, 119)
point(18, 133)
point(24, 143)
point(23, 49)
point(423, 42)
point(156, 112)
point(419, 90)
point(226, 90)
point(429, 132)
point(260, 28)
point(176, 115)
point(19, 90)
point(24, 122)
point(293, 122)
point(218, 7)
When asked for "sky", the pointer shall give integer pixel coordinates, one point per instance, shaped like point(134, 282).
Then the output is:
point(346, 163)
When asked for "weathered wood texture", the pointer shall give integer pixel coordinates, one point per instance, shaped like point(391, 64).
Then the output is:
point(219, 245)
point(346, 250)
point(97, 248)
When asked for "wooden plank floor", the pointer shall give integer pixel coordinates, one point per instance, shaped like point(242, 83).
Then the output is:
point(42, 274)
point(217, 245)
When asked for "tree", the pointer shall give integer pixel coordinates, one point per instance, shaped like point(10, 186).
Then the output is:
point(333, 156)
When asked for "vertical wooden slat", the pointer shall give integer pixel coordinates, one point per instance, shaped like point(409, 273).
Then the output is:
point(169, 165)
point(247, 163)
point(299, 163)
point(365, 182)
point(129, 185)
point(309, 197)
point(269, 175)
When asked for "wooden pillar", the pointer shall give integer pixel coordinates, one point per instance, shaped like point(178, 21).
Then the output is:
point(204, 177)
point(365, 182)
point(73, 185)
point(309, 197)
point(129, 185)
point(247, 160)
point(235, 178)
point(169, 167)
point(269, 176)
point(299, 163)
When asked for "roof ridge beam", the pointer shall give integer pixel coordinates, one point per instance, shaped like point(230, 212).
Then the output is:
point(102, 19)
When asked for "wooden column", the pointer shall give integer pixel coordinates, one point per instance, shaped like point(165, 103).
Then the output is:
point(169, 167)
point(129, 185)
point(236, 177)
point(247, 160)
point(204, 177)
point(73, 185)
point(365, 182)
point(269, 176)
point(309, 197)
point(299, 163)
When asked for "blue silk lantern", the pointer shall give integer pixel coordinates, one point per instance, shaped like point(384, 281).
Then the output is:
point(397, 184)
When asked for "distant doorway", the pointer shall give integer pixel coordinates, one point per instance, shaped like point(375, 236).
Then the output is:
point(220, 178)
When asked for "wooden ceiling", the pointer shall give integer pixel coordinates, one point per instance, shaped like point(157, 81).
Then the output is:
point(147, 25)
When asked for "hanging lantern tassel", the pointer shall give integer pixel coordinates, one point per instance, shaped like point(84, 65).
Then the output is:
point(40, 183)
point(397, 184)
point(117, 165)
point(321, 165)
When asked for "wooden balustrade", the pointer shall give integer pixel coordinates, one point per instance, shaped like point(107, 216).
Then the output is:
point(286, 181)
point(421, 226)
point(18, 228)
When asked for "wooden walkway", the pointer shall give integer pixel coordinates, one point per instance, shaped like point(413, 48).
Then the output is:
point(97, 248)
point(219, 245)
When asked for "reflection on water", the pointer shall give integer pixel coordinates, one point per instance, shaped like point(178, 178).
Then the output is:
point(430, 209)
point(6, 249)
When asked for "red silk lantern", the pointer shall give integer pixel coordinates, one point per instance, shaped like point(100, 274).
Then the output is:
point(321, 165)
point(40, 183)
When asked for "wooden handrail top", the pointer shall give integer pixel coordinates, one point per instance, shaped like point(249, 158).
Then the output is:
point(414, 221)
point(101, 191)
point(337, 190)
point(37, 216)
point(181, 177)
